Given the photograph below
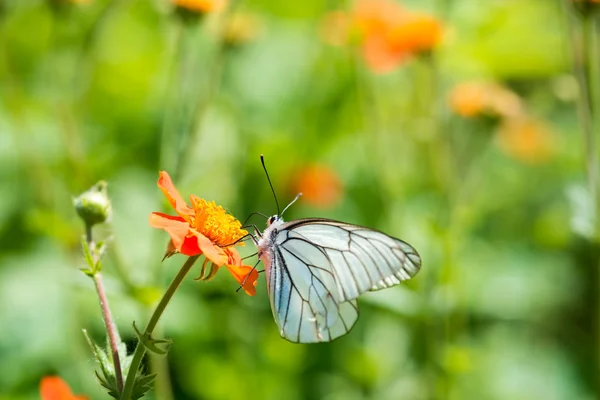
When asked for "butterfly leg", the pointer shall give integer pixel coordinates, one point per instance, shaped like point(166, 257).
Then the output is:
point(246, 278)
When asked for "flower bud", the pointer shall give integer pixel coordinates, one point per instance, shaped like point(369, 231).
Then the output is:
point(93, 206)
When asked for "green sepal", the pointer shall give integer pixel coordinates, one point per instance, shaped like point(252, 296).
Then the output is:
point(211, 272)
point(91, 254)
point(89, 260)
point(151, 344)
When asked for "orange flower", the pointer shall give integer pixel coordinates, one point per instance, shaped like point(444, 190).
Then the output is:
point(201, 6)
point(376, 16)
point(475, 98)
point(526, 140)
point(54, 388)
point(204, 228)
point(415, 33)
point(319, 185)
point(387, 33)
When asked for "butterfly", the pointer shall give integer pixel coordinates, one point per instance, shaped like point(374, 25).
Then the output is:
point(316, 268)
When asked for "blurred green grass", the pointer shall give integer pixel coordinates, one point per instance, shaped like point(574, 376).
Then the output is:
point(505, 305)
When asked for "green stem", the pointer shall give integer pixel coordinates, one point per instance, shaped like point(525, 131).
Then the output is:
point(580, 35)
point(587, 109)
point(169, 132)
point(140, 350)
point(192, 127)
point(585, 67)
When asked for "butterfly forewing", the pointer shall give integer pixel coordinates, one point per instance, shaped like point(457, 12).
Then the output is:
point(360, 259)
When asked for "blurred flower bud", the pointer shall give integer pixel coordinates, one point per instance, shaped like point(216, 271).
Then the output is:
point(94, 206)
point(241, 28)
point(191, 10)
point(476, 98)
point(526, 139)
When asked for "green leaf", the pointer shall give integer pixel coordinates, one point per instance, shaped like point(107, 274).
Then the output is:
point(141, 386)
point(125, 359)
point(107, 378)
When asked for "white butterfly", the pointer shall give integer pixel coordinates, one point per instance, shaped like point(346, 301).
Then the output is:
point(316, 269)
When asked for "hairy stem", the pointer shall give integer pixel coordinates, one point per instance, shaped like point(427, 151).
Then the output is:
point(140, 350)
point(111, 328)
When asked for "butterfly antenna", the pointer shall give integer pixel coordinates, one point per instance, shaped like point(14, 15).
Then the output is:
point(262, 160)
point(293, 201)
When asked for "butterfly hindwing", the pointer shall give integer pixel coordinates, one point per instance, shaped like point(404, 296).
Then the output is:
point(304, 307)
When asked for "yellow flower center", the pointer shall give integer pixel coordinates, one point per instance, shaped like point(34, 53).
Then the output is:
point(213, 222)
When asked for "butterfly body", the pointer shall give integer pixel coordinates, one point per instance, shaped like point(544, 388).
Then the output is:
point(316, 268)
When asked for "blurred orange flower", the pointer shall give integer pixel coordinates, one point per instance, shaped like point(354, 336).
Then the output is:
point(387, 33)
point(201, 6)
point(204, 228)
point(54, 388)
point(470, 99)
point(526, 140)
point(319, 185)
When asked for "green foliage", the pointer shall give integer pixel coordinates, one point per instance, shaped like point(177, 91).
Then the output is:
point(106, 377)
point(506, 305)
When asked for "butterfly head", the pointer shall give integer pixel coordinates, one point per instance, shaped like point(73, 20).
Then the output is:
point(273, 219)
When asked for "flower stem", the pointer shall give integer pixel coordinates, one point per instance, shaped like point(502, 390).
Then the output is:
point(580, 29)
point(587, 111)
point(140, 350)
point(111, 328)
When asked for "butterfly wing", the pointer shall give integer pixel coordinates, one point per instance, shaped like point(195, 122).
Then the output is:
point(360, 259)
point(319, 267)
point(304, 297)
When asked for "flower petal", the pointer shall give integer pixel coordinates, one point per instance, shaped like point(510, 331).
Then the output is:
point(190, 247)
point(172, 194)
point(175, 226)
point(211, 251)
point(54, 388)
point(246, 276)
point(233, 257)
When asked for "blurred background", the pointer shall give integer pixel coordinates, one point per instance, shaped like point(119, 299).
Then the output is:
point(465, 129)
